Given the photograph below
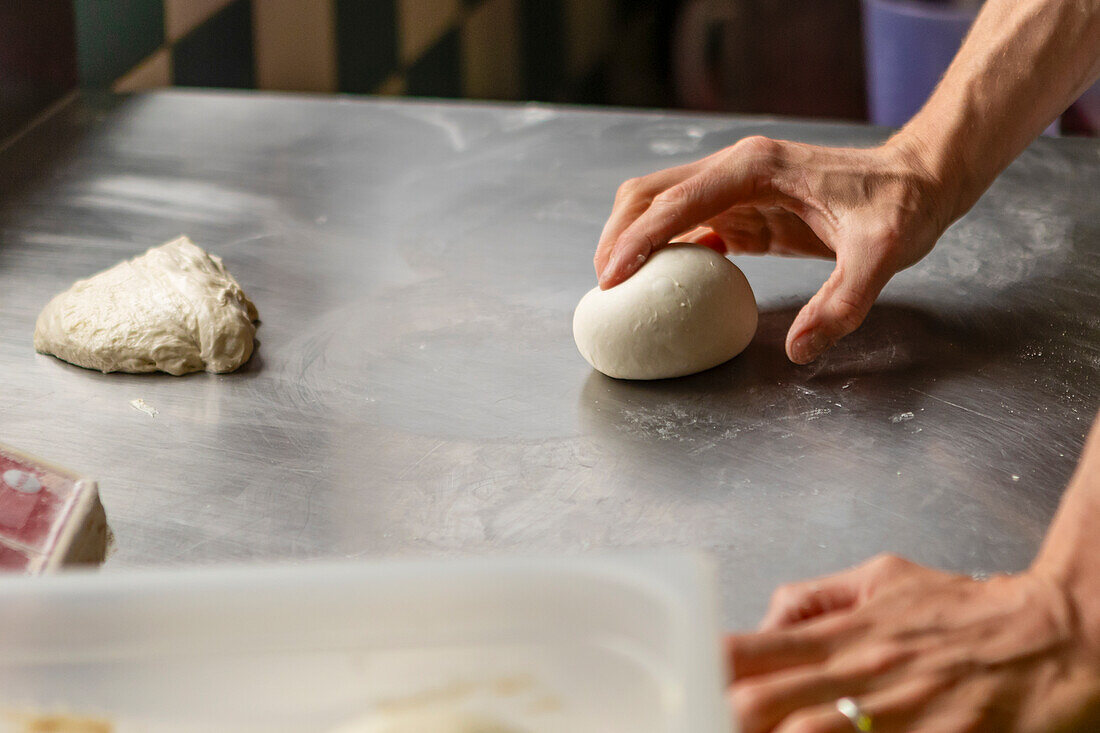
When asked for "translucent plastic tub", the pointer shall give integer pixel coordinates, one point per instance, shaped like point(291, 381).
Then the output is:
point(541, 646)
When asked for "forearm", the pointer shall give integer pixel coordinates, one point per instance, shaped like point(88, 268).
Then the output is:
point(1070, 554)
point(1022, 64)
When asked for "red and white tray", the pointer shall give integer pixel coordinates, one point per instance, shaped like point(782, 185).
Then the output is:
point(49, 516)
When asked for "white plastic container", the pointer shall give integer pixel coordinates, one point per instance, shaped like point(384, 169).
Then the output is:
point(578, 645)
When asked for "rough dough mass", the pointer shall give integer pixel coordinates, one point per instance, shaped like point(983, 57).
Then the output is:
point(687, 309)
point(174, 309)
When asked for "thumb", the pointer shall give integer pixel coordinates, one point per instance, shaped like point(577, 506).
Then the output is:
point(837, 309)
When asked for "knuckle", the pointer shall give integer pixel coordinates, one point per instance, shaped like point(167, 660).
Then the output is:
point(629, 188)
point(760, 157)
point(884, 560)
point(888, 563)
point(765, 157)
point(758, 146)
point(671, 198)
point(783, 594)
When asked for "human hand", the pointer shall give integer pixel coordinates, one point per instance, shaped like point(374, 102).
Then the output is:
point(921, 650)
point(876, 211)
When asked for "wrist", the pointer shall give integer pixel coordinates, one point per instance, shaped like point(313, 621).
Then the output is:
point(1070, 555)
point(1068, 560)
point(927, 160)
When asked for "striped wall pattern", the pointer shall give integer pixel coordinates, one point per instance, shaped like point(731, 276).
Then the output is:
point(553, 50)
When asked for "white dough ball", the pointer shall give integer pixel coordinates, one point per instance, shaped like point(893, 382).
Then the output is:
point(686, 310)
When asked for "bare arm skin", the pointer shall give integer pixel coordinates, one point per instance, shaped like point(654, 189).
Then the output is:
point(920, 649)
point(875, 210)
point(929, 651)
point(1023, 63)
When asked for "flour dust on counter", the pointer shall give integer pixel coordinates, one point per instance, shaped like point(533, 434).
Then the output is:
point(174, 309)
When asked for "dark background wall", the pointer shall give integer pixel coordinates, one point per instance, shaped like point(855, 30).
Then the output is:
point(784, 57)
point(37, 59)
point(780, 56)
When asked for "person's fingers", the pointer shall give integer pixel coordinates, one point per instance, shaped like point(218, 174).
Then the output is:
point(741, 174)
point(764, 652)
point(796, 602)
point(669, 213)
point(754, 654)
point(821, 719)
point(672, 211)
point(633, 198)
point(744, 229)
point(780, 644)
point(704, 236)
point(838, 308)
point(897, 707)
point(763, 702)
point(901, 705)
point(622, 216)
point(771, 230)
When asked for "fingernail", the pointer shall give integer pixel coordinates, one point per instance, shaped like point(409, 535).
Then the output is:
point(622, 266)
point(808, 347)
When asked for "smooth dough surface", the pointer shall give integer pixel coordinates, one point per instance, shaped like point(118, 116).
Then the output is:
point(174, 309)
point(687, 309)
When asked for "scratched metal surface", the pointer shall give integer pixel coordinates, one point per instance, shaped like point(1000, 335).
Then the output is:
point(417, 392)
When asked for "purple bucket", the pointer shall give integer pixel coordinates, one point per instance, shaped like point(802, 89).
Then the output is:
point(908, 45)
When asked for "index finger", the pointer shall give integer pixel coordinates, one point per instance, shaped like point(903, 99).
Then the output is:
point(763, 652)
point(631, 200)
point(734, 178)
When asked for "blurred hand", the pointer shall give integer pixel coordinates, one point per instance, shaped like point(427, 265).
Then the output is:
point(875, 210)
point(920, 650)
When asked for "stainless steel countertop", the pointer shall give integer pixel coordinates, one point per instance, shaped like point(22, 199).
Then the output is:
point(417, 391)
